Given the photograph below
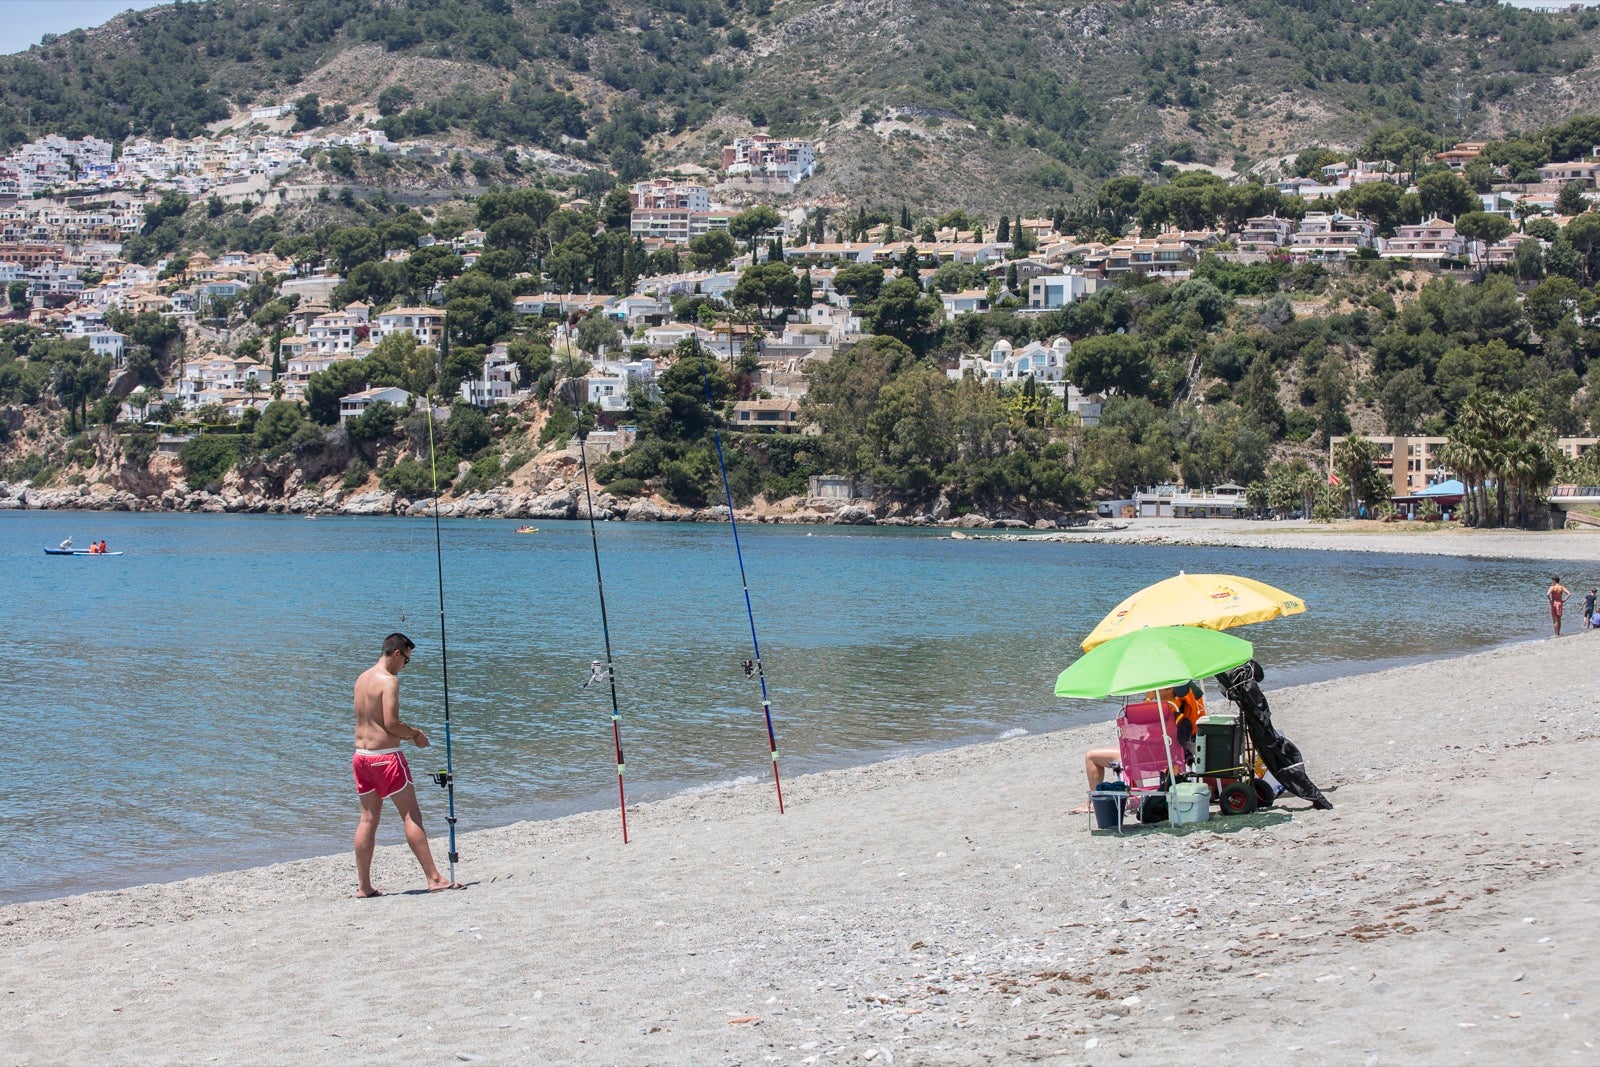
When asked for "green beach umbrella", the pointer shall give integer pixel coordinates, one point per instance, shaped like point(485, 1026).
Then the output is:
point(1151, 659)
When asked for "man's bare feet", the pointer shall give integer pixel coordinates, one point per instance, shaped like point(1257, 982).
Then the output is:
point(364, 893)
point(440, 883)
point(1079, 811)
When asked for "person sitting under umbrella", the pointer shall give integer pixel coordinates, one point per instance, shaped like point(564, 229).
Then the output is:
point(1096, 762)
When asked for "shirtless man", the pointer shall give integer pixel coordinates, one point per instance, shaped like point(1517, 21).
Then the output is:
point(380, 767)
point(1558, 594)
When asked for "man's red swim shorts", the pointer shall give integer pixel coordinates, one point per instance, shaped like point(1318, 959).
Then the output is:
point(384, 771)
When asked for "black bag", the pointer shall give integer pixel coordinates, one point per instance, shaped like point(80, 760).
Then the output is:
point(1153, 808)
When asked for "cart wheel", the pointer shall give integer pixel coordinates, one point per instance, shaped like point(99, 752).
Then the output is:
point(1264, 794)
point(1237, 799)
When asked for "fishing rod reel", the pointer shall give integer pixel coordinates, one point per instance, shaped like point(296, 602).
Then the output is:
point(445, 779)
point(599, 671)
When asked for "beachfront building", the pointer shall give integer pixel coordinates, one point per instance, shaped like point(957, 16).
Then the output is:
point(1410, 463)
point(1226, 501)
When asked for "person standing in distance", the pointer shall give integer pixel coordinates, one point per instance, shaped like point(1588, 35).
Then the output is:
point(1558, 594)
point(380, 768)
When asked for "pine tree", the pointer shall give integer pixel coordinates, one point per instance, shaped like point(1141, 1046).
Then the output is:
point(905, 217)
point(1003, 233)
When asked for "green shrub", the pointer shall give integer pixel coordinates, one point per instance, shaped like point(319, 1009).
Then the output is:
point(356, 474)
point(779, 486)
point(485, 473)
point(137, 448)
point(1299, 425)
point(414, 479)
point(625, 487)
point(207, 458)
point(561, 425)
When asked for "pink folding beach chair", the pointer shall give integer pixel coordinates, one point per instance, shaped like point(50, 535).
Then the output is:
point(1152, 755)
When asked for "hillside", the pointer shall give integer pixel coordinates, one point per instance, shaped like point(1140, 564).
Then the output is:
point(938, 103)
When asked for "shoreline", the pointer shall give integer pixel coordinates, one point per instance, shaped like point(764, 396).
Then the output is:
point(938, 908)
point(1346, 535)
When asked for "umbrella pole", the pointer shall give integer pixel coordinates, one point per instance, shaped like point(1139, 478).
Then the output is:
point(1166, 742)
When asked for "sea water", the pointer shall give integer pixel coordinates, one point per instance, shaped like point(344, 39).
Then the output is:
point(185, 707)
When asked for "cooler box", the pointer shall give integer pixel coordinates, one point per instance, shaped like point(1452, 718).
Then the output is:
point(1188, 802)
point(1219, 744)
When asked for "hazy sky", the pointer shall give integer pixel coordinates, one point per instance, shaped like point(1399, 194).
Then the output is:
point(23, 22)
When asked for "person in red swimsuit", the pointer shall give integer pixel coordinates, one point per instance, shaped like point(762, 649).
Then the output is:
point(1558, 594)
point(380, 767)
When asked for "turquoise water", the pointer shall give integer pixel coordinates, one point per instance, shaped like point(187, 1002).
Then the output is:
point(186, 707)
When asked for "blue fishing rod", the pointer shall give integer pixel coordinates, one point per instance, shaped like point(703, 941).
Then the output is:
point(446, 777)
point(751, 667)
point(575, 396)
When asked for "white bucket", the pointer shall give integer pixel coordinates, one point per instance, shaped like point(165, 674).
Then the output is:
point(1188, 802)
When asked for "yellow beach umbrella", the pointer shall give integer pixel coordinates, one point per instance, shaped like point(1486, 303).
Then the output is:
point(1214, 601)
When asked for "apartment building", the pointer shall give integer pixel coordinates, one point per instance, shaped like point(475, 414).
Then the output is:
point(1321, 235)
point(760, 156)
point(675, 225)
point(425, 324)
point(1434, 239)
point(664, 194)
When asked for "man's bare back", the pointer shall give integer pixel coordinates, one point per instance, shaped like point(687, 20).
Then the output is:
point(377, 704)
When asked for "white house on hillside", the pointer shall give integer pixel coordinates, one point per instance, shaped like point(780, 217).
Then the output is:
point(499, 380)
point(357, 403)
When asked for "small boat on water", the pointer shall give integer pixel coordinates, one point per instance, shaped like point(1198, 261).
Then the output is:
point(78, 552)
point(527, 529)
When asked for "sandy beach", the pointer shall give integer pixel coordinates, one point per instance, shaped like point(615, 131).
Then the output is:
point(1414, 538)
point(942, 909)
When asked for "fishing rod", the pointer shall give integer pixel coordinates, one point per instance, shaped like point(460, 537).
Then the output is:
point(446, 777)
point(751, 667)
point(574, 390)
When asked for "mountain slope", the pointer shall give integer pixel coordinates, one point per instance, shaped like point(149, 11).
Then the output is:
point(942, 103)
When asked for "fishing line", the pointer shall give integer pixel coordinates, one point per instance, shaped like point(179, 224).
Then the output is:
point(733, 524)
point(574, 390)
point(446, 777)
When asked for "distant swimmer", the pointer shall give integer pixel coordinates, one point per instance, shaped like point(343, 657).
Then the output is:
point(380, 768)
